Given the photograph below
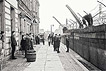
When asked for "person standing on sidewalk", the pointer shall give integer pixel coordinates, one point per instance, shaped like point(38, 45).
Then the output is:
point(58, 41)
point(27, 44)
point(49, 39)
point(23, 44)
point(13, 44)
point(55, 42)
point(43, 40)
point(67, 43)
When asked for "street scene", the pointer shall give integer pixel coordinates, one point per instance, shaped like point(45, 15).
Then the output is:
point(52, 35)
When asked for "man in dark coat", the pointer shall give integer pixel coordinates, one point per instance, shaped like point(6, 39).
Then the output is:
point(58, 43)
point(23, 44)
point(67, 44)
point(13, 44)
point(28, 44)
point(49, 39)
point(55, 42)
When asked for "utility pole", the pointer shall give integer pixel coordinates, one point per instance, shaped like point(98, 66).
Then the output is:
point(51, 28)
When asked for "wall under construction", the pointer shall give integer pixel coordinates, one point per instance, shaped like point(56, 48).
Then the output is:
point(90, 43)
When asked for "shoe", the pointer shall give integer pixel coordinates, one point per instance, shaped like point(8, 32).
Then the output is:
point(58, 51)
point(14, 58)
point(67, 51)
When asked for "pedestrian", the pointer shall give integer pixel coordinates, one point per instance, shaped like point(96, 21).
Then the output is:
point(52, 39)
point(58, 45)
point(49, 39)
point(43, 40)
point(13, 44)
point(36, 39)
point(31, 41)
point(67, 43)
point(28, 44)
point(2, 38)
point(55, 42)
point(23, 44)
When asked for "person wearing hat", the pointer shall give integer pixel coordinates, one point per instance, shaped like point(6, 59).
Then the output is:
point(13, 44)
point(2, 36)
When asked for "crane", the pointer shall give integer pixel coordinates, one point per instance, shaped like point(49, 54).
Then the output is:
point(58, 21)
point(75, 16)
point(64, 28)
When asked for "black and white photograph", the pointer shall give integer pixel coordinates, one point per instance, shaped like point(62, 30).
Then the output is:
point(52, 35)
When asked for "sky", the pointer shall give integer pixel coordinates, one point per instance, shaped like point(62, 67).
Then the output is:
point(57, 8)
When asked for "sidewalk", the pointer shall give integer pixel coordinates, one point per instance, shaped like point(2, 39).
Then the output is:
point(47, 60)
point(18, 64)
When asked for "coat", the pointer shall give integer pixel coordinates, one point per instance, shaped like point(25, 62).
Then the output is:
point(23, 44)
point(67, 42)
point(13, 41)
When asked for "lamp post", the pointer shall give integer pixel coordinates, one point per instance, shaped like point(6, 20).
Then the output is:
point(51, 28)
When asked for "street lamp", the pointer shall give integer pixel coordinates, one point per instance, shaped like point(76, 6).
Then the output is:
point(51, 28)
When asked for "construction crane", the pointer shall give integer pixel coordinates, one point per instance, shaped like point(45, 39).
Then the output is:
point(58, 21)
point(64, 28)
point(75, 16)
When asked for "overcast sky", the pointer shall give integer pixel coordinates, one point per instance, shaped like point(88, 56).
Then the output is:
point(57, 8)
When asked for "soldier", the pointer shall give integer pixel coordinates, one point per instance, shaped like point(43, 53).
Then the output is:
point(13, 44)
point(49, 39)
point(67, 43)
point(55, 42)
point(58, 41)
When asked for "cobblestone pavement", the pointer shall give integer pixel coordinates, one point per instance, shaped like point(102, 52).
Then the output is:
point(20, 63)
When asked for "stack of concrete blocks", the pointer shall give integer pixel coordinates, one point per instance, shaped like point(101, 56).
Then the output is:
point(90, 43)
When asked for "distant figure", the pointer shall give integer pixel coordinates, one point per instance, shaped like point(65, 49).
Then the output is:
point(52, 39)
point(23, 44)
point(28, 44)
point(58, 42)
point(13, 44)
point(43, 40)
point(31, 41)
point(2, 38)
point(37, 40)
point(49, 39)
point(55, 42)
point(67, 43)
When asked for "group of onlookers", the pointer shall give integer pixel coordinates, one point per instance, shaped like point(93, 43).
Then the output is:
point(55, 40)
point(26, 43)
point(28, 40)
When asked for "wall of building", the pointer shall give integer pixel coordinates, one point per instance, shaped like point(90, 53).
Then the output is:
point(9, 22)
point(90, 43)
point(15, 15)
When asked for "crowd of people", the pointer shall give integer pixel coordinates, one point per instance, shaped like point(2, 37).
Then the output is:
point(26, 43)
point(28, 40)
point(55, 41)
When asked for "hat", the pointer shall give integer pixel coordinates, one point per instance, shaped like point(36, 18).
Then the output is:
point(13, 32)
point(2, 32)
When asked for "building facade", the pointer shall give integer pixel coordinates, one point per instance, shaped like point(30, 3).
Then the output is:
point(18, 16)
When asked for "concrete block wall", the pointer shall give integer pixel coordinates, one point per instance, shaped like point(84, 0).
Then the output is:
point(90, 43)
